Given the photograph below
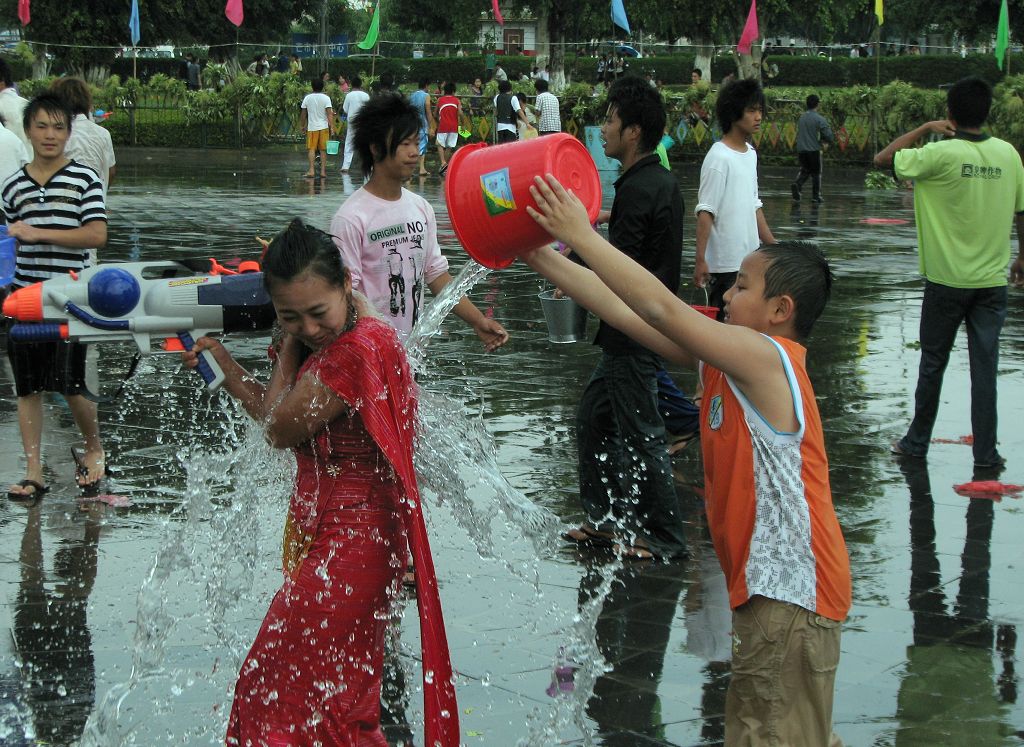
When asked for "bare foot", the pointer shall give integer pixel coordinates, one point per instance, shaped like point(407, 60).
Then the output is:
point(587, 533)
point(636, 551)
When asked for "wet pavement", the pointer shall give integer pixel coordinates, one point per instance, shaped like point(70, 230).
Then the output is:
point(136, 617)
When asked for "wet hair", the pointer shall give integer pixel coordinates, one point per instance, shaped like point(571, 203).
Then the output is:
point(799, 270)
point(636, 103)
point(75, 93)
point(382, 124)
point(504, 86)
point(5, 74)
point(449, 88)
point(734, 99)
point(46, 102)
point(298, 249)
point(356, 81)
point(318, 84)
point(969, 101)
point(813, 101)
point(541, 85)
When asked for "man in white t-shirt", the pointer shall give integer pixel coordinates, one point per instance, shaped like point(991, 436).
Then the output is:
point(317, 120)
point(12, 106)
point(354, 101)
point(89, 143)
point(12, 153)
point(730, 222)
point(387, 235)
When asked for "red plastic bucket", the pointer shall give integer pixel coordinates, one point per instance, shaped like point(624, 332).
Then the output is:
point(711, 312)
point(487, 188)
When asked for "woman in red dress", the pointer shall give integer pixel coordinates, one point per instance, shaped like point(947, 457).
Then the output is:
point(342, 397)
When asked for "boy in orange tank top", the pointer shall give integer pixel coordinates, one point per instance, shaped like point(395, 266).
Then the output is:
point(768, 498)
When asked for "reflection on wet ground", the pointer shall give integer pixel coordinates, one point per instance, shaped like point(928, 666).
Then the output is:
point(929, 652)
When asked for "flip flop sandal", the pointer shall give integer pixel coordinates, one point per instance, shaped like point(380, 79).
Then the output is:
point(590, 537)
point(38, 492)
point(82, 471)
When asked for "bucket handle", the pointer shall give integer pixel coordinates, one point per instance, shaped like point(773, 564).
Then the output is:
point(707, 299)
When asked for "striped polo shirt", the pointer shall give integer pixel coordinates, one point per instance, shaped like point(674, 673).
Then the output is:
point(768, 498)
point(70, 199)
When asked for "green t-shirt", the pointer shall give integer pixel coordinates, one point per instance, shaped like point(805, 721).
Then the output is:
point(966, 191)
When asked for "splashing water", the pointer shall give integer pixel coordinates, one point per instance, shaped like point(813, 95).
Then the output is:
point(216, 569)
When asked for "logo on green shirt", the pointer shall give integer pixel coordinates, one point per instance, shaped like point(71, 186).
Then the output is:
point(973, 171)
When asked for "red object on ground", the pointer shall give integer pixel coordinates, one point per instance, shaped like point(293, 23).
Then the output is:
point(355, 501)
point(967, 440)
point(988, 489)
point(884, 221)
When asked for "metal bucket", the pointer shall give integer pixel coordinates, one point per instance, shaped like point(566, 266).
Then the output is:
point(566, 319)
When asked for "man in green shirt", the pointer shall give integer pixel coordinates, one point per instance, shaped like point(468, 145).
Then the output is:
point(968, 189)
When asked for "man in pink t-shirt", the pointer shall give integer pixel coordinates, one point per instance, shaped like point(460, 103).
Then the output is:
point(387, 235)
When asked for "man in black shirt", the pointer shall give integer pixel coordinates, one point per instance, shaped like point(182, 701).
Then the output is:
point(625, 475)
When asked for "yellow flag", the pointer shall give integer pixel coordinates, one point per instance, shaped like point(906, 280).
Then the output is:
point(879, 12)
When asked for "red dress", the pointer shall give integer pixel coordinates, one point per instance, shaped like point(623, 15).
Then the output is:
point(313, 676)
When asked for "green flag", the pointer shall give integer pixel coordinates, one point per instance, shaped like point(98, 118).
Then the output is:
point(373, 32)
point(1002, 34)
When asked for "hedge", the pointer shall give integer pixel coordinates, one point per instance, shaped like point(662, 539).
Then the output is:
point(926, 71)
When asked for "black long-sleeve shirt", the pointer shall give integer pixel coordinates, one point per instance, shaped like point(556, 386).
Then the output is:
point(646, 224)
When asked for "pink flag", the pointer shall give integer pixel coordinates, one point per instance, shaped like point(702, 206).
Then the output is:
point(233, 10)
point(497, 13)
point(24, 14)
point(750, 31)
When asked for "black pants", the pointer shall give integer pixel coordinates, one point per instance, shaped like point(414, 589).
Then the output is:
point(810, 166)
point(624, 468)
point(720, 282)
point(942, 312)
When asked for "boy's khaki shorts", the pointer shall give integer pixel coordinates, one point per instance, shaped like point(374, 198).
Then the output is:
point(783, 675)
point(316, 139)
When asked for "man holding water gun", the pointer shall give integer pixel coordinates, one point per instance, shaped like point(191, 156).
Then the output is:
point(55, 209)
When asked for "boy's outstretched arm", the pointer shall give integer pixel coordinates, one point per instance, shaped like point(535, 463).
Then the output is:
point(740, 352)
point(586, 289)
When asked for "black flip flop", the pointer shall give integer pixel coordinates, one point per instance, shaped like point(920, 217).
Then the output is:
point(39, 492)
point(591, 537)
point(81, 470)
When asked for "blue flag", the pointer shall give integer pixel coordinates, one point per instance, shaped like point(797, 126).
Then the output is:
point(619, 15)
point(133, 23)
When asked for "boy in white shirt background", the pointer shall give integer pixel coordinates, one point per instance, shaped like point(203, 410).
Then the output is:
point(317, 122)
point(730, 221)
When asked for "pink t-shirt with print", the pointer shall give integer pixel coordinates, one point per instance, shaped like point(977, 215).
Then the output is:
point(390, 248)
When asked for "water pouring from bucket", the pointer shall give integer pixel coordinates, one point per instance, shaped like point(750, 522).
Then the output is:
point(488, 190)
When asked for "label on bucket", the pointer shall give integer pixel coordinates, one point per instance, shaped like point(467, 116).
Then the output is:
point(497, 191)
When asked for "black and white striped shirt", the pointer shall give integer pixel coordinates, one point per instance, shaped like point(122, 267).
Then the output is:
point(71, 198)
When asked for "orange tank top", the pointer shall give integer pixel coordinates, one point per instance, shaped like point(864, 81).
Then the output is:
point(768, 499)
